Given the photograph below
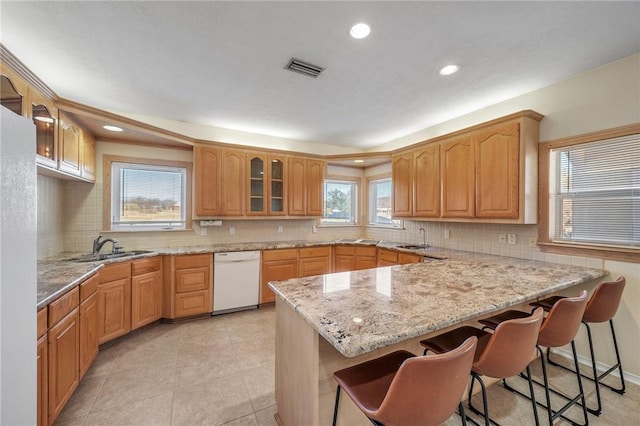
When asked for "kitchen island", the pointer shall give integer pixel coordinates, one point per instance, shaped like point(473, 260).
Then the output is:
point(327, 322)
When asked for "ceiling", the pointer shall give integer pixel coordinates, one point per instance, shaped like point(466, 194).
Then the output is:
point(222, 63)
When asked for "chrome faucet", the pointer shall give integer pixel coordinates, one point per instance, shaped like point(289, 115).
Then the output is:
point(424, 238)
point(97, 245)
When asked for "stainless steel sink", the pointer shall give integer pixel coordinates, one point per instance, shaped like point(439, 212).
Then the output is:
point(413, 247)
point(107, 256)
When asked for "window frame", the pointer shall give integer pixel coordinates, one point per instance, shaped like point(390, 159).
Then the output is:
point(108, 161)
point(544, 222)
point(355, 203)
point(369, 180)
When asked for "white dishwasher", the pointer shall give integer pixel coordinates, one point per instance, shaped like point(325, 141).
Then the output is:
point(236, 281)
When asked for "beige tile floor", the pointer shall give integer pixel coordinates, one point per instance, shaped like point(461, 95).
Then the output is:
point(220, 371)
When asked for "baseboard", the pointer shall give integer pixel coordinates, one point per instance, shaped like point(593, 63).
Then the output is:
point(599, 365)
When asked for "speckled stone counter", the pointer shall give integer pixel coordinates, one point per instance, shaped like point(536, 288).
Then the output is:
point(329, 322)
point(400, 302)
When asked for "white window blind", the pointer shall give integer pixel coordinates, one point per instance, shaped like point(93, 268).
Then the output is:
point(149, 197)
point(595, 193)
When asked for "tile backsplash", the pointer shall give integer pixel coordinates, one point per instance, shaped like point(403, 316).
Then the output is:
point(50, 216)
point(74, 229)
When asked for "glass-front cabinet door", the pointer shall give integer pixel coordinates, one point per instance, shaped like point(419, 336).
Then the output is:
point(277, 187)
point(45, 135)
point(10, 98)
point(257, 177)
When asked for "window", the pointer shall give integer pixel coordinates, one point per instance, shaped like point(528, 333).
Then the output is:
point(380, 203)
point(340, 202)
point(149, 197)
point(594, 193)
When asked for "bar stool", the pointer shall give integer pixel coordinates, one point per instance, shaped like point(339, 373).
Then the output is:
point(504, 353)
point(558, 329)
point(403, 389)
point(602, 307)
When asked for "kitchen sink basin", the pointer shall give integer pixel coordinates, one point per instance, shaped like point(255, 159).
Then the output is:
point(107, 256)
point(413, 247)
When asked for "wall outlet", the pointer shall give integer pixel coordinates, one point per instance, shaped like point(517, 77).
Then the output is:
point(511, 238)
point(447, 235)
point(533, 242)
point(232, 230)
point(203, 231)
point(502, 238)
point(280, 228)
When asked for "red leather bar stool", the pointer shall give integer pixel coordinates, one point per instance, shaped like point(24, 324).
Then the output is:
point(558, 329)
point(504, 353)
point(401, 389)
point(602, 307)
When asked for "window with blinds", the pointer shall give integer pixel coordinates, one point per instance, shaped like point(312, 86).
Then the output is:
point(147, 197)
point(595, 193)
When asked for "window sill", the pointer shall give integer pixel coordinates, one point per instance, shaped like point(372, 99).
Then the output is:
point(607, 253)
point(129, 231)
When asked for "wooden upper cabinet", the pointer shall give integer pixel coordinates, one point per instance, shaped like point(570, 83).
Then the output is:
point(277, 187)
point(458, 192)
point(427, 181)
point(69, 148)
point(402, 181)
point(12, 94)
point(314, 187)
point(44, 116)
point(497, 171)
point(88, 170)
point(297, 185)
point(233, 177)
point(207, 181)
point(257, 183)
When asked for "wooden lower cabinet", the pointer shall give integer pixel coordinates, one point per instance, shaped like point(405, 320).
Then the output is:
point(89, 317)
point(344, 258)
point(314, 261)
point(42, 361)
point(188, 289)
point(146, 291)
point(387, 257)
point(366, 258)
point(64, 362)
point(279, 264)
point(406, 258)
point(114, 301)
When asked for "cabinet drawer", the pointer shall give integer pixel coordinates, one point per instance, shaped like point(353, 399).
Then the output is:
point(116, 271)
point(194, 303)
point(283, 254)
point(388, 256)
point(192, 279)
point(345, 250)
point(42, 321)
point(314, 252)
point(61, 307)
point(192, 261)
point(88, 287)
point(366, 251)
point(405, 258)
point(143, 266)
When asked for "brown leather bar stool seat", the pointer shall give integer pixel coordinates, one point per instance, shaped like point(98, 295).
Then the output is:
point(402, 389)
point(602, 307)
point(558, 329)
point(504, 353)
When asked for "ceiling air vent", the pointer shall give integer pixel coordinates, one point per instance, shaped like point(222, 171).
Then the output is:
point(304, 68)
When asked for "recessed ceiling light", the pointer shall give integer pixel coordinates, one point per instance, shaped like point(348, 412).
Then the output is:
point(449, 69)
point(112, 128)
point(358, 161)
point(360, 30)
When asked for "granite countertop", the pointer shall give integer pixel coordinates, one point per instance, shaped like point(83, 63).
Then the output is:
point(396, 303)
point(59, 274)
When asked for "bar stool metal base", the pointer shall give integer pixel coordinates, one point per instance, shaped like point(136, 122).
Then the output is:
point(597, 379)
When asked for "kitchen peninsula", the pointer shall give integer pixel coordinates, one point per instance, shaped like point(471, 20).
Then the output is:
point(328, 322)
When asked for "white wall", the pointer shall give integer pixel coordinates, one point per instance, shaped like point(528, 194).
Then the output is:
point(17, 270)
